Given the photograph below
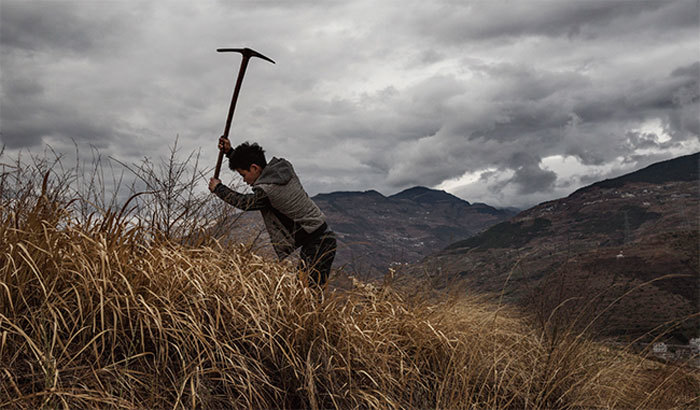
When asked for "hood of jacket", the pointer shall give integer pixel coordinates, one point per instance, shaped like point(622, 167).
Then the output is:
point(278, 171)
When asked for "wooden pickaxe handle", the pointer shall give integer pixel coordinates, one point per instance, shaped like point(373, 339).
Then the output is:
point(247, 54)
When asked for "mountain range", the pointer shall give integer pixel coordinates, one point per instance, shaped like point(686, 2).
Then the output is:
point(620, 255)
point(375, 231)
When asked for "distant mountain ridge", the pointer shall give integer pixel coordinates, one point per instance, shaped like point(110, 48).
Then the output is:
point(601, 241)
point(427, 195)
point(341, 194)
point(375, 230)
point(684, 168)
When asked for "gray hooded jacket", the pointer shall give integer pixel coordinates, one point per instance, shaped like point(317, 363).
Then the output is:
point(278, 191)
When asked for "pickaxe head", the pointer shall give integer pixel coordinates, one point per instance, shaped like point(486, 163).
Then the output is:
point(246, 52)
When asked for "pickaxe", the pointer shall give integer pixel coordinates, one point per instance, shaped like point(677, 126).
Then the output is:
point(247, 54)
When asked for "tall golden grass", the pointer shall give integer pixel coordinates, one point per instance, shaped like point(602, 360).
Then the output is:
point(94, 313)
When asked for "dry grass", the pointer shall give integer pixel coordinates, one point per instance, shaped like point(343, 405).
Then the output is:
point(92, 315)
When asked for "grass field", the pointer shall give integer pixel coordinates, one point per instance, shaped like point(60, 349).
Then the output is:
point(98, 311)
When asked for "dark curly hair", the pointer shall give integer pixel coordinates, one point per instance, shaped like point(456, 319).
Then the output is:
point(245, 155)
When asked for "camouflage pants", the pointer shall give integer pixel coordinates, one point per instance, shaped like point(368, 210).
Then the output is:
point(317, 258)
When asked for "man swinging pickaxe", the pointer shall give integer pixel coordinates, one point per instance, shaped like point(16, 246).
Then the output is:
point(292, 219)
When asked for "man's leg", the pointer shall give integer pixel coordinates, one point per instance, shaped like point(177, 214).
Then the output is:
point(318, 258)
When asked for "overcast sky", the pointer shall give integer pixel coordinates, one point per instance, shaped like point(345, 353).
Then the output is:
point(510, 103)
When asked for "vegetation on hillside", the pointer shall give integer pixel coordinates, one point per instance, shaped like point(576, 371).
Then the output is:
point(137, 306)
point(505, 234)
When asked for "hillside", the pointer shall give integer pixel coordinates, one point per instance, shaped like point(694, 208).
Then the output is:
point(104, 310)
point(374, 230)
point(636, 234)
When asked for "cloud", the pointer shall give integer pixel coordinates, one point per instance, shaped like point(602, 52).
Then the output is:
point(502, 20)
point(364, 95)
point(529, 176)
point(65, 27)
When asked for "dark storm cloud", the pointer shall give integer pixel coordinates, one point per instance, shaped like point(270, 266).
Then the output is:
point(59, 27)
point(671, 98)
point(38, 37)
point(692, 71)
point(529, 177)
point(56, 29)
point(684, 121)
point(547, 114)
point(364, 95)
point(497, 19)
point(637, 99)
point(28, 116)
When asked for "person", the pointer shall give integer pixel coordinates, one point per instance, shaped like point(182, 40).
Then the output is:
point(291, 218)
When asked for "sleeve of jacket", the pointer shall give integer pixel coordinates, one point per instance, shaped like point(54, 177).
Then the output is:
point(246, 202)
